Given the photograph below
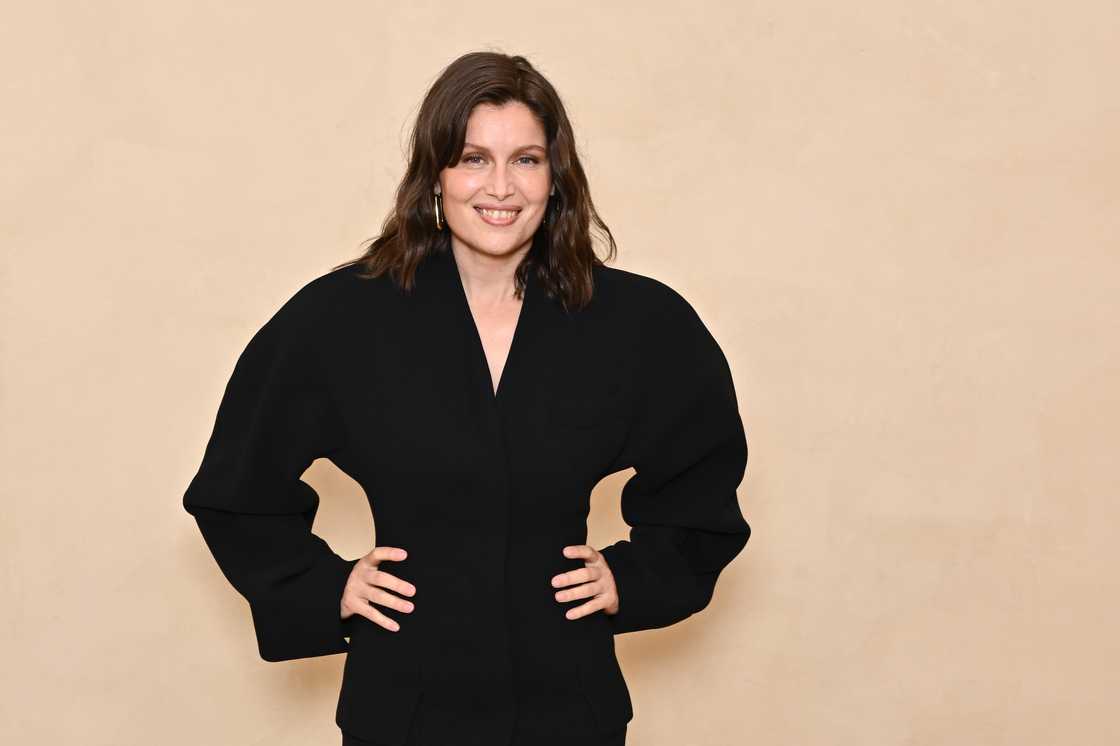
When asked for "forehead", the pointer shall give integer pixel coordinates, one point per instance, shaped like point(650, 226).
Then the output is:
point(509, 126)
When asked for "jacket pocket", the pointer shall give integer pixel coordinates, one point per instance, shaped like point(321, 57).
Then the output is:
point(603, 682)
point(381, 685)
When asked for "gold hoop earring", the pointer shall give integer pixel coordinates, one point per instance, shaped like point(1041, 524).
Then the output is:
point(438, 202)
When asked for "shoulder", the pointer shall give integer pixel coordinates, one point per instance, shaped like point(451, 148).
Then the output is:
point(310, 317)
point(331, 289)
point(326, 300)
point(667, 333)
point(645, 298)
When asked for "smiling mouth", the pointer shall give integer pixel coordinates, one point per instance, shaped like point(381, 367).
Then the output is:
point(497, 217)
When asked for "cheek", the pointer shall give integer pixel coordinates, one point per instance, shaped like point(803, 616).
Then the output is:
point(538, 185)
point(461, 188)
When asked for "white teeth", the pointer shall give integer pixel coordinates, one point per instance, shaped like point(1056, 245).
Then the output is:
point(498, 214)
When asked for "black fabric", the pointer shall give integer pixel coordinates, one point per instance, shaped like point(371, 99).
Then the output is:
point(529, 730)
point(617, 738)
point(484, 490)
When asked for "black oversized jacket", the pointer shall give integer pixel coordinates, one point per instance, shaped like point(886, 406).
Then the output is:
point(483, 490)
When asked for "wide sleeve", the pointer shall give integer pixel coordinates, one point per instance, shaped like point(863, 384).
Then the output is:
point(253, 509)
point(688, 448)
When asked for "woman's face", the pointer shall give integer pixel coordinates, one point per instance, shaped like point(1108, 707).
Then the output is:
point(504, 167)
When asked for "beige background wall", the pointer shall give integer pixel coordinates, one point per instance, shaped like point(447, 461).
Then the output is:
point(899, 219)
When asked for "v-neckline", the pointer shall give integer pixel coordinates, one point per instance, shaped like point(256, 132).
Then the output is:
point(495, 392)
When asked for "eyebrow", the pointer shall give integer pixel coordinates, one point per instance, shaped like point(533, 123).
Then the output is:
point(487, 150)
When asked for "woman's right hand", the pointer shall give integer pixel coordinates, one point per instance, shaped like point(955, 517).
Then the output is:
point(365, 587)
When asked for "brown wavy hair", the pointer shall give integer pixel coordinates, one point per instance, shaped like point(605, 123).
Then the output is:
point(561, 254)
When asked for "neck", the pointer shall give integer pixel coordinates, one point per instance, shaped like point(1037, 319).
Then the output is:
point(487, 278)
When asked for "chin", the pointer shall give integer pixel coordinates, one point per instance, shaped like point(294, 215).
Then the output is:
point(495, 246)
point(502, 249)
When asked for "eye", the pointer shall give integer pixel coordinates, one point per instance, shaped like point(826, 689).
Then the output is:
point(470, 158)
point(529, 158)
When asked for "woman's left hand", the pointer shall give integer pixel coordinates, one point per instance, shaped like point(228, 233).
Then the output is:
point(594, 580)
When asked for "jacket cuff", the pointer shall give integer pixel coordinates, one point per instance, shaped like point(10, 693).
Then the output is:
point(303, 619)
point(626, 579)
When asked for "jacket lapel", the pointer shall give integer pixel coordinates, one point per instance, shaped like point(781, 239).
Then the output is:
point(542, 326)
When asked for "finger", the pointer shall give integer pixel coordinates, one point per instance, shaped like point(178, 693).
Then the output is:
point(358, 606)
point(582, 575)
point(380, 554)
point(580, 550)
point(375, 616)
point(584, 609)
point(392, 582)
point(384, 598)
point(580, 591)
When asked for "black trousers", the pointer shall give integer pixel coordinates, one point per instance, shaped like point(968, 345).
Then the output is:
point(618, 739)
point(614, 739)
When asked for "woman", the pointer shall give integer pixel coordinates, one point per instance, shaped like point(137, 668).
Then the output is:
point(478, 371)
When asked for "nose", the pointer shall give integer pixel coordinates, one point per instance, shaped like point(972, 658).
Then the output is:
point(499, 185)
